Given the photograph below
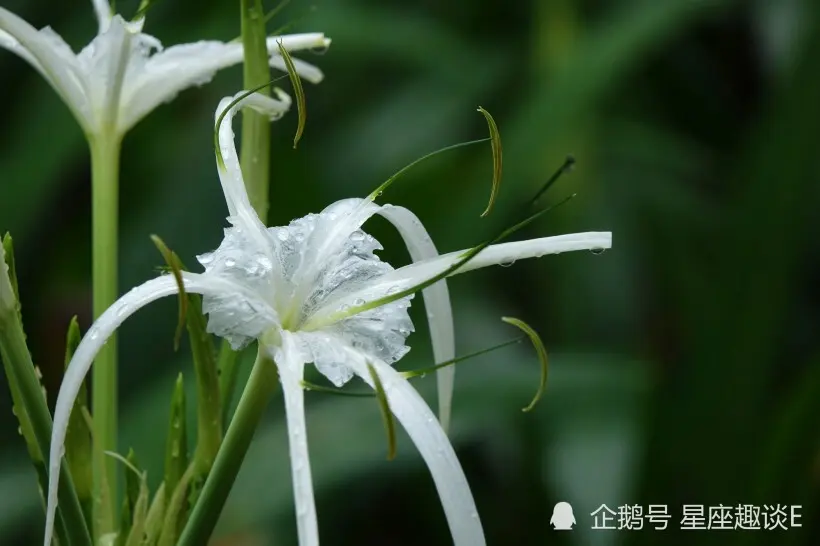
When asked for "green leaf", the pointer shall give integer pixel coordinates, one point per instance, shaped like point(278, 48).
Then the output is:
point(28, 397)
point(154, 518)
point(495, 140)
point(176, 450)
point(134, 479)
point(387, 415)
point(175, 264)
point(542, 355)
point(209, 414)
point(78, 446)
point(174, 513)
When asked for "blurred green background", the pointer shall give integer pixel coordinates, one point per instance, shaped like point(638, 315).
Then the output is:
point(685, 367)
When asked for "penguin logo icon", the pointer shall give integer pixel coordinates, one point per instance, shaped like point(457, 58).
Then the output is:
point(562, 517)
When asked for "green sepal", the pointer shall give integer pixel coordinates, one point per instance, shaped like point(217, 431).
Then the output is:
point(176, 449)
point(78, 448)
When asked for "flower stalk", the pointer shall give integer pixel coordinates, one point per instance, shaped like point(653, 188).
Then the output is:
point(105, 162)
point(260, 387)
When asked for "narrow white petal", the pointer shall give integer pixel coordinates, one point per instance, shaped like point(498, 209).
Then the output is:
point(431, 441)
point(436, 301)
point(230, 173)
point(91, 344)
point(505, 253)
point(102, 9)
point(291, 370)
point(160, 77)
point(305, 70)
point(297, 42)
point(51, 56)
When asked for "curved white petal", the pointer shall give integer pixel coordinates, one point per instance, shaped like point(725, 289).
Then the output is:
point(230, 173)
point(436, 302)
point(158, 78)
point(431, 441)
point(102, 9)
point(46, 51)
point(91, 344)
point(413, 274)
point(291, 371)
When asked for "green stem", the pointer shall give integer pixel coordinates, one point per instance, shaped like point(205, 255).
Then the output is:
point(105, 159)
point(260, 387)
point(255, 154)
point(13, 343)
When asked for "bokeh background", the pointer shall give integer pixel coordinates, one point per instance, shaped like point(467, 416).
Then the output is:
point(685, 367)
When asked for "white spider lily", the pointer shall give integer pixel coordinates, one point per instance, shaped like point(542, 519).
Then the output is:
point(123, 74)
point(298, 290)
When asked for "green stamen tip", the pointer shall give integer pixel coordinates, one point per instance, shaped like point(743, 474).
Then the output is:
point(495, 141)
point(387, 415)
point(176, 266)
point(542, 356)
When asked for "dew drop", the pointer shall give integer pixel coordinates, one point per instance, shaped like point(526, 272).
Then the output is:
point(597, 251)
point(122, 310)
point(358, 301)
point(507, 264)
point(357, 235)
point(393, 289)
point(282, 234)
point(230, 262)
point(93, 333)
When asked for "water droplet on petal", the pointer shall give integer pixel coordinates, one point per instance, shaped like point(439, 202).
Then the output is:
point(122, 309)
point(93, 333)
point(507, 264)
point(393, 289)
point(357, 235)
point(358, 301)
point(230, 262)
point(282, 234)
point(597, 251)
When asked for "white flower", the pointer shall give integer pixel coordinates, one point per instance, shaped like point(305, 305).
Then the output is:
point(299, 290)
point(123, 73)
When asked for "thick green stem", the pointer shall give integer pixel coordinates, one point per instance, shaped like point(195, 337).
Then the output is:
point(255, 398)
point(21, 373)
point(255, 154)
point(105, 160)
